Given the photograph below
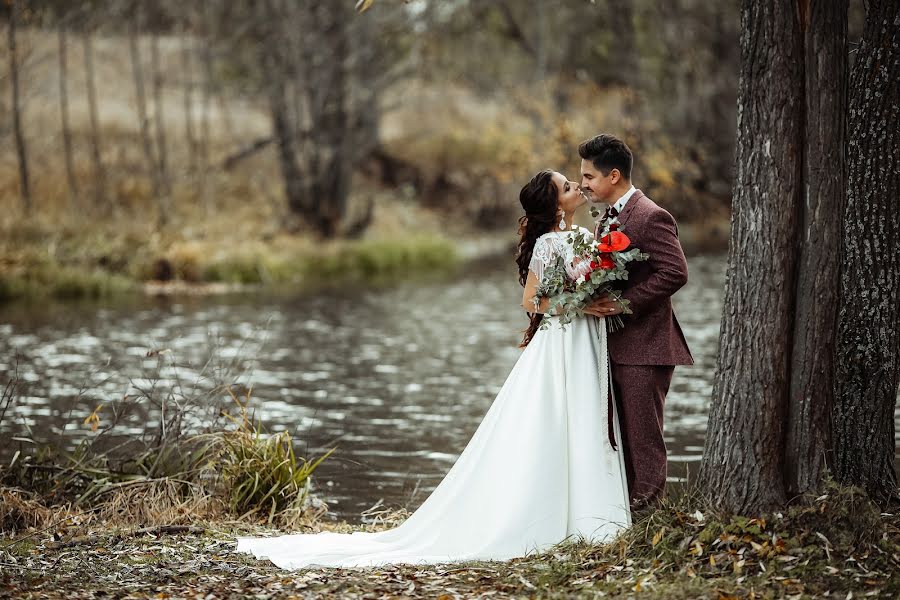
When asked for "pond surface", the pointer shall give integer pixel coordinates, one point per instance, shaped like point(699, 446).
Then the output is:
point(397, 379)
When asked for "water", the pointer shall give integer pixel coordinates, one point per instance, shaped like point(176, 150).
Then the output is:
point(398, 380)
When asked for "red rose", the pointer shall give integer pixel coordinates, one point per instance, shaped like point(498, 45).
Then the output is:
point(614, 241)
point(613, 226)
point(594, 265)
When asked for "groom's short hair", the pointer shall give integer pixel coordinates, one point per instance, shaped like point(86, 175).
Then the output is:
point(607, 152)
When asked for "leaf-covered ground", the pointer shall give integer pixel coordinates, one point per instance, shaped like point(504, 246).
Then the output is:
point(835, 546)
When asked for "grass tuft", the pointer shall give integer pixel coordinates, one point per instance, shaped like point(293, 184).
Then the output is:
point(261, 473)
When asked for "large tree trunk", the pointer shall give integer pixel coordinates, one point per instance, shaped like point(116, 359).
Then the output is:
point(96, 155)
point(868, 339)
point(824, 197)
point(745, 440)
point(330, 166)
point(64, 114)
point(21, 153)
point(316, 110)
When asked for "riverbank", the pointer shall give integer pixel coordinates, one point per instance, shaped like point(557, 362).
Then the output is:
point(837, 545)
point(109, 259)
point(48, 260)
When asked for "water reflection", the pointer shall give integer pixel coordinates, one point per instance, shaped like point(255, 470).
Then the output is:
point(397, 379)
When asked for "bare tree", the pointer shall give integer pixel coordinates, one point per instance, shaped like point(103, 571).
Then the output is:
point(21, 153)
point(96, 154)
point(206, 61)
point(764, 438)
point(317, 173)
point(188, 88)
point(64, 111)
point(273, 65)
point(868, 339)
point(137, 70)
point(625, 51)
point(161, 149)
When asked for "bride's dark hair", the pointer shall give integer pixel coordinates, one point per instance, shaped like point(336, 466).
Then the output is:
point(539, 199)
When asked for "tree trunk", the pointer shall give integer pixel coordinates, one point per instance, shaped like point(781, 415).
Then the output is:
point(742, 462)
point(868, 338)
point(188, 88)
point(541, 40)
point(276, 70)
point(159, 120)
point(323, 118)
point(825, 179)
point(625, 52)
point(330, 167)
point(96, 156)
point(143, 121)
point(206, 58)
point(64, 115)
point(21, 153)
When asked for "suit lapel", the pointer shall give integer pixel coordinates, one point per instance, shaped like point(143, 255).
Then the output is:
point(629, 207)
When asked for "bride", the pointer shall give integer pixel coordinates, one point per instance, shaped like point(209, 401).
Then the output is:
point(540, 468)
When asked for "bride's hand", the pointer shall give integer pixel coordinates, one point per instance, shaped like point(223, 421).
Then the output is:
point(604, 307)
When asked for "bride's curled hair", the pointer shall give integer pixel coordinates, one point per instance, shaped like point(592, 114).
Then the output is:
point(539, 199)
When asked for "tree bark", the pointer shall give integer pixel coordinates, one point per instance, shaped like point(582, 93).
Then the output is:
point(96, 155)
point(745, 441)
point(64, 115)
point(824, 196)
point(21, 152)
point(868, 338)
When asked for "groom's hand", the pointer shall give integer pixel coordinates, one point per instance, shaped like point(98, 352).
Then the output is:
point(604, 307)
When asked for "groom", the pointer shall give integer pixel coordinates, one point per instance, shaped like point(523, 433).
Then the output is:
point(643, 353)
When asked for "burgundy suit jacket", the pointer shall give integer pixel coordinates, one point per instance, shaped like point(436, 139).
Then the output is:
point(652, 335)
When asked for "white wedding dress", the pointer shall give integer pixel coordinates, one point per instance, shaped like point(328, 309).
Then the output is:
point(539, 468)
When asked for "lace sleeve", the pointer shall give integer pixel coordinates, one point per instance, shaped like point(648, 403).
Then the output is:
point(544, 254)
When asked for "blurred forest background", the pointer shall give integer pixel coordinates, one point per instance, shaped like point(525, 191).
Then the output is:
point(210, 140)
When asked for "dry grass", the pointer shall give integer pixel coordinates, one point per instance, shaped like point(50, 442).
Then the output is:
point(163, 501)
point(227, 480)
point(20, 510)
point(837, 545)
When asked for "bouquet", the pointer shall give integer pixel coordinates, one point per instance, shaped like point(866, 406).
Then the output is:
point(597, 265)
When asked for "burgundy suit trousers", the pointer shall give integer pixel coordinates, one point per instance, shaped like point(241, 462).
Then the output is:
point(640, 392)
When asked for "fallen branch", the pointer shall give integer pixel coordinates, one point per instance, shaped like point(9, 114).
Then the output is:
point(158, 530)
point(232, 159)
point(14, 566)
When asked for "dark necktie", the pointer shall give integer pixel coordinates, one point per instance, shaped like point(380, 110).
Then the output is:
point(611, 213)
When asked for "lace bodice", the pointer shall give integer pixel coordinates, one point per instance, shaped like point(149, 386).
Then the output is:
point(550, 246)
